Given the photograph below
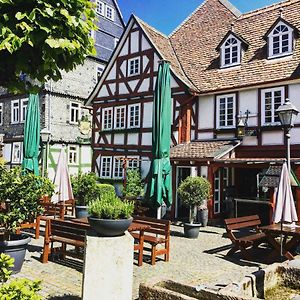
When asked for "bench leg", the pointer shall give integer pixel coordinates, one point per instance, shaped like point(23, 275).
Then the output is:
point(245, 253)
point(167, 255)
point(233, 250)
point(153, 252)
point(46, 252)
point(63, 250)
point(37, 228)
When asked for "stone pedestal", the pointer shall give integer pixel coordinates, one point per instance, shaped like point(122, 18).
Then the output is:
point(108, 268)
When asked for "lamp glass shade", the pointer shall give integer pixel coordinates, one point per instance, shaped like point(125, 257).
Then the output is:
point(45, 135)
point(287, 114)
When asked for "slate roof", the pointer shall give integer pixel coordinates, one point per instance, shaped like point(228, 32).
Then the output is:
point(202, 150)
point(196, 40)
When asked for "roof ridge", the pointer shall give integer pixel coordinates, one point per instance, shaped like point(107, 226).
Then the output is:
point(267, 8)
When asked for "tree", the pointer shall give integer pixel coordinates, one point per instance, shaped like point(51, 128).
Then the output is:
point(40, 38)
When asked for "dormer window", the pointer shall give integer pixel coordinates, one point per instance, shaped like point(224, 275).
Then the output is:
point(280, 40)
point(230, 52)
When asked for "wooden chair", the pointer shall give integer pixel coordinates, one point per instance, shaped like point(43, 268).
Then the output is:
point(66, 233)
point(249, 239)
point(157, 234)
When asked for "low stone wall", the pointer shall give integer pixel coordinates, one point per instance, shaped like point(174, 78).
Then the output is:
point(252, 286)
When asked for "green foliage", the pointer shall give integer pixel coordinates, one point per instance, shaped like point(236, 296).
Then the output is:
point(134, 185)
point(85, 188)
point(111, 207)
point(40, 38)
point(106, 189)
point(193, 191)
point(18, 289)
point(21, 194)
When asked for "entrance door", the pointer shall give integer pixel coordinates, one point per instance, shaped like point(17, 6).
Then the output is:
point(181, 210)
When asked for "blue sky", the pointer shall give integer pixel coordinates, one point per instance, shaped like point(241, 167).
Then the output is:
point(166, 15)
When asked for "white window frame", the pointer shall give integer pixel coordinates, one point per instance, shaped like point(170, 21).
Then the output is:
point(112, 17)
point(101, 6)
point(104, 110)
point(16, 159)
point(13, 120)
point(73, 154)
point(23, 110)
point(118, 163)
point(78, 109)
point(1, 114)
point(133, 159)
point(226, 111)
point(133, 60)
point(134, 119)
point(100, 69)
point(117, 108)
point(271, 37)
point(217, 191)
point(239, 52)
point(263, 104)
point(107, 158)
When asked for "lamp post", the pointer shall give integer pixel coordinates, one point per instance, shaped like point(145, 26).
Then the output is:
point(287, 113)
point(45, 136)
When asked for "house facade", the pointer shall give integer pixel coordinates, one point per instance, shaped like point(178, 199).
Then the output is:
point(63, 113)
point(232, 69)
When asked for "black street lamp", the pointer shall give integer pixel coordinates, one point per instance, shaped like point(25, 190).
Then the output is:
point(287, 114)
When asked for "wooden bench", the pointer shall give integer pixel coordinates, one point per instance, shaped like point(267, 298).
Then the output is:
point(66, 233)
point(252, 238)
point(157, 234)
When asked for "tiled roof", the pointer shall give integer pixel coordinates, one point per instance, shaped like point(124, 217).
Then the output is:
point(163, 45)
point(201, 150)
point(196, 40)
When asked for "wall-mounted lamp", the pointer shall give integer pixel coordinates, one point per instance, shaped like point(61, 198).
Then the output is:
point(192, 162)
point(243, 124)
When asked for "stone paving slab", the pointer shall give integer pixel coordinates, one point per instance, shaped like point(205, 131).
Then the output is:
point(200, 261)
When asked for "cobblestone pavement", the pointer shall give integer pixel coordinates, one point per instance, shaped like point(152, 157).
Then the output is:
point(200, 261)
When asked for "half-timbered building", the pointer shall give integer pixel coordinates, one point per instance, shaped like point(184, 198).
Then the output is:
point(228, 69)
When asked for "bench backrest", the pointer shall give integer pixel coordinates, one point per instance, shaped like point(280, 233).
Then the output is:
point(242, 222)
point(51, 209)
point(157, 226)
point(67, 229)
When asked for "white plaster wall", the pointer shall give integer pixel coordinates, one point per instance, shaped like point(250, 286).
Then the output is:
point(134, 43)
point(175, 135)
point(192, 134)
point(119, 139)
point(156, 59)
point(112, 87)
point(112, 73)
point(124, 50)
point(294, 96)
point(248, 100)
point(226, 136)
point(133, 84)
point(103, 92)
point(295, 136)
point(145, 166)
point(145, 44)
point(205, 135)
point(7, 152)
point(122, 88)
point(123, 67)
point(206, 112)
point(145, 62)
point(204, 171)
point(147, 139)
point(250, 141)
point(145, 85)
point(148, 110)
point(86, 155)
point(173, 83)
point(133, 139)
point(272, 138)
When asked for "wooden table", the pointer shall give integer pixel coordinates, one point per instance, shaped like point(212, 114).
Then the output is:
point(274, 230)
point(134, 226)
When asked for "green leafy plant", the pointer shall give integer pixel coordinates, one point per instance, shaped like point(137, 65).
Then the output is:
point(134, 186)
point(18, 289)
point(105, 188)
point(193, 191)
point(111, 207)
point(42, 38)
point(19, 195)
point(85, 188)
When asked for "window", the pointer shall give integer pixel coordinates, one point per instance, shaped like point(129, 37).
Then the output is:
point(280, 41)
point(24, 103)
point(73, 155)
point(271, 100)
point(120, 117)
point(226, 111)
point(100, 7)
point(109, 13)
point(105, 167)
point(231, 52)
point(133, 66)
point(134, 115)
point(15, 112)
point(16, 153)
point(133, 163)
point(1, 113)
point(118, 167)
point(74, 112)
point(107, 118)
point(99, 72)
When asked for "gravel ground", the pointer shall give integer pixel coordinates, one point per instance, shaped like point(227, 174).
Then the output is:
point(200, 261)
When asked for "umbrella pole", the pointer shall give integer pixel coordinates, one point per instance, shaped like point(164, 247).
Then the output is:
point(159, 212)
point(281, 248)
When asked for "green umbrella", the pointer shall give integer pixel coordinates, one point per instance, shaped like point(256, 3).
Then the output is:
point(159, 188)
point(32, 135)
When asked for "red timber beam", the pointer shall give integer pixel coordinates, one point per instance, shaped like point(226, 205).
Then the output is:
point(210, 177)
point(297, 172)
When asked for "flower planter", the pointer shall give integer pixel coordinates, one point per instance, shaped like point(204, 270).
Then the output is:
point(203, 217)
point(81, 211)
point(108, 227)
point(16, 248)
point(191, 231)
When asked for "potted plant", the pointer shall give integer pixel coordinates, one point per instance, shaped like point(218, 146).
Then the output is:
point(134, 187)
point(193, 191)
point(85, 190)
point(110, 216)
point(19, 197)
